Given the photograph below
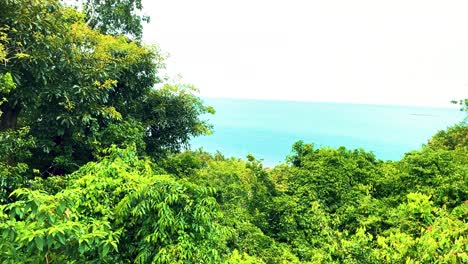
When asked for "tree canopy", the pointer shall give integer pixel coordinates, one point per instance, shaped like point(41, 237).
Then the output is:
point(79, 90)
point(116, 17)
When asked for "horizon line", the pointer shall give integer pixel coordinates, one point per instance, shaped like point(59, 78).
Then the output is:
point(449, 105)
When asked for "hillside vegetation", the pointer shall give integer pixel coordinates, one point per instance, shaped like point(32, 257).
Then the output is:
point(94, 166)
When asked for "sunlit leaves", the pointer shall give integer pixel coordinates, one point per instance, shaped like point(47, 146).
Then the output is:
point(422, 233)
point(116, 208)
point(41, 226)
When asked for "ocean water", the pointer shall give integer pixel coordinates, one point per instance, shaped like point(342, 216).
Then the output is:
point(267, 129)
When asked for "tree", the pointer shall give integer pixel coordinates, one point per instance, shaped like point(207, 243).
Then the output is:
point(65, 73)
point(77, 88)
point(171, 116)
point(463, 107)
point(116, 16)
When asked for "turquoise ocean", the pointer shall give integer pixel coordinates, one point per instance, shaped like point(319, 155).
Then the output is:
point(267, 129)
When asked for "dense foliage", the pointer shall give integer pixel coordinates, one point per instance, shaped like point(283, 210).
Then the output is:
point(323, 206)
point(79, 91)
point(93, 166)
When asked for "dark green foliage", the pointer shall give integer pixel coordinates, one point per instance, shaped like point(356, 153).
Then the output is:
point(14, 147)
point(80, 91)
point(116, 16)
point(171, 116)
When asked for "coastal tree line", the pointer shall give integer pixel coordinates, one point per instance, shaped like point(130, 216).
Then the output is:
point(94, 166)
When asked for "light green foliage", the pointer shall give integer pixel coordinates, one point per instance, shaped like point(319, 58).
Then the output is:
point(358, 203)
point(244, 192)
point(417, 213)
point(47, 227)
point(338, 205)
point(439, 169)
point(3, 41)
point(237, 258)
point(6, 85)
point(6, 80)
point(127, 209)
point(454, 138)
point(422, 233)
point(116, 209)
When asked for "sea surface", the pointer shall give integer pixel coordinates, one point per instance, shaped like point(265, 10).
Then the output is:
point(267, 129)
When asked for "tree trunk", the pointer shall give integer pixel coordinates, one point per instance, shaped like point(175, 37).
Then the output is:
point(9, 117)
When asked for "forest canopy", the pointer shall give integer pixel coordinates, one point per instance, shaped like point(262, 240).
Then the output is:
point(95, 165)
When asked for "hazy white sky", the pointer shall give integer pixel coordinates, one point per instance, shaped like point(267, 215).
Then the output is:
point(373, 51)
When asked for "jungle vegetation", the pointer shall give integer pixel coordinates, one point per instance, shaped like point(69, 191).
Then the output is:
point(94, 165)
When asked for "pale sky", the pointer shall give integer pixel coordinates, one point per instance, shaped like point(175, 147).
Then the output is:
point(361, 51)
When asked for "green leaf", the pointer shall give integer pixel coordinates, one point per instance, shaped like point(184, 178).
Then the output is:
point(39, 241)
